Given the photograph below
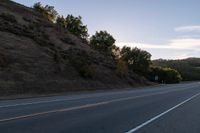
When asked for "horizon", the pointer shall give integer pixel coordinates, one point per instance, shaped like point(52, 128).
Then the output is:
point(166, 29)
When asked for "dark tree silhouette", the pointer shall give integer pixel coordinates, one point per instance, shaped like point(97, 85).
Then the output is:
point(73, 25)
point(103, 42)
point(138, 60)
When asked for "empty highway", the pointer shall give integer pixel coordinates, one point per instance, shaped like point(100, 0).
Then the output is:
point(156, 109)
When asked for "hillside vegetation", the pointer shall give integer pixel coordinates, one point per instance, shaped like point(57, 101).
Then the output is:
point(43, 52)
point(188, 68)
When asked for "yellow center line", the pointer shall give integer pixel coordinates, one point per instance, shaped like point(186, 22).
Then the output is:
point(85, 106)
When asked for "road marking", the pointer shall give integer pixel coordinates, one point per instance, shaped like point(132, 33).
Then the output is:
point(40, 102)
point(60, 100)
point(83, 106)
point(160, 115)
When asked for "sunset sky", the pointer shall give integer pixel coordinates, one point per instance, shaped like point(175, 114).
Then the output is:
point(168, 29)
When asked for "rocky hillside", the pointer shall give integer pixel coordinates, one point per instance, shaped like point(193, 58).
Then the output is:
point(37, 56)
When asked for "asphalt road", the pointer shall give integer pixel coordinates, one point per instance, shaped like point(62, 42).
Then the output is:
point(160, 109)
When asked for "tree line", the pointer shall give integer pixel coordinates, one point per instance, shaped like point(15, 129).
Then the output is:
point(188, 68)
point(127, 59)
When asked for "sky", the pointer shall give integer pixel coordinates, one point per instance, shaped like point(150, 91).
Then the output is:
point(168, 29)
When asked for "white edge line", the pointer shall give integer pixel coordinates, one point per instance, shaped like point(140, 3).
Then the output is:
point(160, 115)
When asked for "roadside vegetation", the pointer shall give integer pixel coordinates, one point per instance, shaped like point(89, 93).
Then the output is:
point(164, 75)
point(127, 59)
point(188, 68)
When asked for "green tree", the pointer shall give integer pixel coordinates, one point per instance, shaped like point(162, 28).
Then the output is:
point(75, 26)
point(47, 11)
point(103, 42)
point(38, 7)
point(61, 21)
point(138, 60)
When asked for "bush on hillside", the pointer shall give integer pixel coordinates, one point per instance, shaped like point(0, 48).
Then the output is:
point(81, 61)
point(8, 17)
point(47, 11)
point(73, 25)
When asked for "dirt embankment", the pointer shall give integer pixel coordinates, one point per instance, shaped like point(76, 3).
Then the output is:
point(36, 56)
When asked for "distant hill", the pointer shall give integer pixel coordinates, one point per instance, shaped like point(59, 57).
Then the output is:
point(189, 68)
point(37, 56)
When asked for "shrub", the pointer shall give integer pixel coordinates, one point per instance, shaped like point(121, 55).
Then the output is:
point(86, 71)
point(8, 17)
point(80, 60)
point(172, 76)
point(68, 40)
point(27, 19)
point(73, 25)
point(47, 10)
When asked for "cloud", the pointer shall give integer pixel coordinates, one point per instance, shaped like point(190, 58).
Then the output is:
point(189, 43)
point(192, 28)
point(140, 45)
point(175, 49)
